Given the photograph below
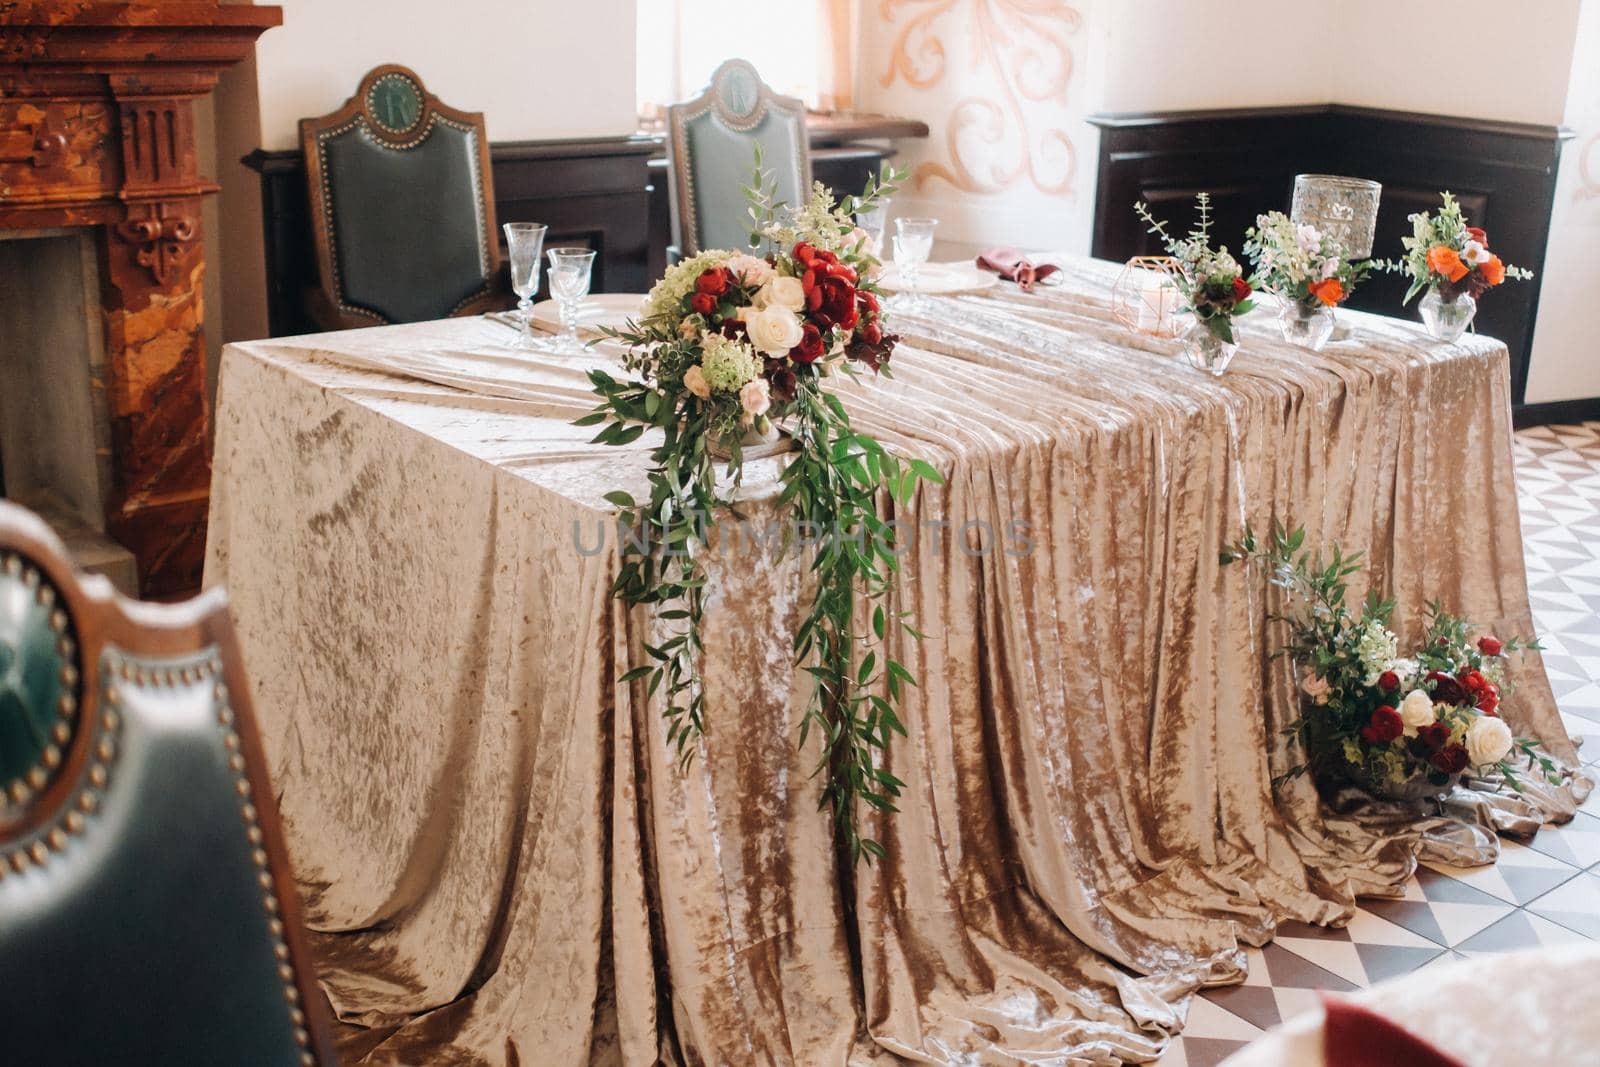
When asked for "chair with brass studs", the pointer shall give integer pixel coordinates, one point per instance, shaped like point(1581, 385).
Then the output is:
point(711, 142)
point(402, 207)
point(147, 911)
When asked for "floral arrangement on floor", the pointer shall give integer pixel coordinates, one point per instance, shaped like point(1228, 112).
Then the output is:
point(1445, 254)
point(1400, 726)
point(1301, 263)
point(731, 344)
point(1211, 282)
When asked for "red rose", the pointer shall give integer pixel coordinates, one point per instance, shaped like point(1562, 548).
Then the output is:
point(833, 303)
point(781, 378)
point(809, 350)
point(1489, 700)
point(1435, 736)
point(872, 333)
point(1388, 681)
point(1489, 645)
point(1446, 690)
point(869, 302)
point(714, 281)
point(704, 303)
point(1474, 681)
point(1386, 725)
point(1241, 289)
point(804, 253)
point(1482, 238)
point(1451, 759)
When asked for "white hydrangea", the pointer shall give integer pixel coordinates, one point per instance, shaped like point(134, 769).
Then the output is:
point(1376, 648)
point(727, 364)
point(666, 296)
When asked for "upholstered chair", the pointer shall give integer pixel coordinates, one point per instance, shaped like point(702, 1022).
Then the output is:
point(147, 912)
point(711, 144)
point(402, 207)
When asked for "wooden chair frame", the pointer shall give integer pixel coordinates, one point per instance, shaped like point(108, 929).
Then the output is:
point(99, 618)
point(326, 303)
point(715, 98)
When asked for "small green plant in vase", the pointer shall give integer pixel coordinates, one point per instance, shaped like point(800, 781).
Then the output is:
point(1212, 284)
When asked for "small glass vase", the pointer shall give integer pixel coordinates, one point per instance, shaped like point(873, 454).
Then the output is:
point(1308, 325)
point(1447, 319)
point(1207, 351)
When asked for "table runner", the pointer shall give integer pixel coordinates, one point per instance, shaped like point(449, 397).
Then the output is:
point(502, 860)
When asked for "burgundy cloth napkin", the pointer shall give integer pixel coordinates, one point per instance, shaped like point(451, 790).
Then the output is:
point(1353, 1036)
point(1014, 266)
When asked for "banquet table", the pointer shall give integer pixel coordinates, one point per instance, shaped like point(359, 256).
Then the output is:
point(504, 862)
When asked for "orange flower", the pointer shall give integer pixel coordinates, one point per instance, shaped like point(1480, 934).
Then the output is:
point(1330, 292)
point(1493, 271)
point(1444, 260)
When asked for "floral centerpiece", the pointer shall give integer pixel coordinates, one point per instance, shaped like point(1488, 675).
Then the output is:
point(1452, 261)
point(731, 345)
point(1308, 271)
point(1210, 282)
point(1403, 727)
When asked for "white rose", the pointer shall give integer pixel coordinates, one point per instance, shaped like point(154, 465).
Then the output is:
point(1308, 238)
point(773, 329)
point(695, 382)
point(1416, 711)
point(1488, 741)
point(1329, 268)
point(782, 291)
point(755, 397)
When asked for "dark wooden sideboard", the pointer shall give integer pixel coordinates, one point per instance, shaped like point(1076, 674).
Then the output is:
point(1503, 173)
point(609, 194)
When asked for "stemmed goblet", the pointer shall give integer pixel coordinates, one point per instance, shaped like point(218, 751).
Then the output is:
point(524, 242)
point(873, 220)
point(570, 271)
point(913, 243)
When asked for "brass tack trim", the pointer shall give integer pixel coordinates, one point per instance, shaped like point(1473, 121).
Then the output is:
point(87, 802)
point(40, 852)
point(61, 732)
point(37, 777)
point(97, 776)
point(46, 596)
point(111, 719)
point(74, 822)
point(52, 755)
point(65, 648)
point(57, 838)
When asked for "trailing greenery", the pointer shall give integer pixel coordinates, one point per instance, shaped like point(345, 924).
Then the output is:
point(686, 383)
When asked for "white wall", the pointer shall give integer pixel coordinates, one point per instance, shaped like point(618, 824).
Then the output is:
point(1566, 344)
point(535, 68)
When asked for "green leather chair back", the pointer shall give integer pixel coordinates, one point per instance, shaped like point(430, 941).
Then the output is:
point(711, 150)
point(402, 204)
point(147, 913)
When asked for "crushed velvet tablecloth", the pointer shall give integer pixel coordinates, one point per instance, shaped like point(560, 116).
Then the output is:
point(504, 864)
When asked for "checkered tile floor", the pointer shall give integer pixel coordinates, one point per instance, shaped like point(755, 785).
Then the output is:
point(1546, 893)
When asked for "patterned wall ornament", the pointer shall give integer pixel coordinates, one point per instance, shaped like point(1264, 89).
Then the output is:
point(1022, 48)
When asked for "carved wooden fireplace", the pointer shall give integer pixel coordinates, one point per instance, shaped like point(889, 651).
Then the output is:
point(97, 150)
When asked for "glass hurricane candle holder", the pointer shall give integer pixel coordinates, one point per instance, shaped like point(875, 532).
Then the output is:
point(1345, 209)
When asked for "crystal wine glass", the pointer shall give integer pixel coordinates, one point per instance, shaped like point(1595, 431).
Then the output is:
point(524, 242)
point(913, 243)
point(570, 270)
point(873, 220)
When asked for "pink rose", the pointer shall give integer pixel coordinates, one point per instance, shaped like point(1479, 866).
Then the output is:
point(755, 397)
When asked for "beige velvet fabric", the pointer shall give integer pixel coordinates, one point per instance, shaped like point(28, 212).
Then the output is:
point(503, 862)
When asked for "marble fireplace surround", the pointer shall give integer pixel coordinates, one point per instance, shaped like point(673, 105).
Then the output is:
point(97, 135)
